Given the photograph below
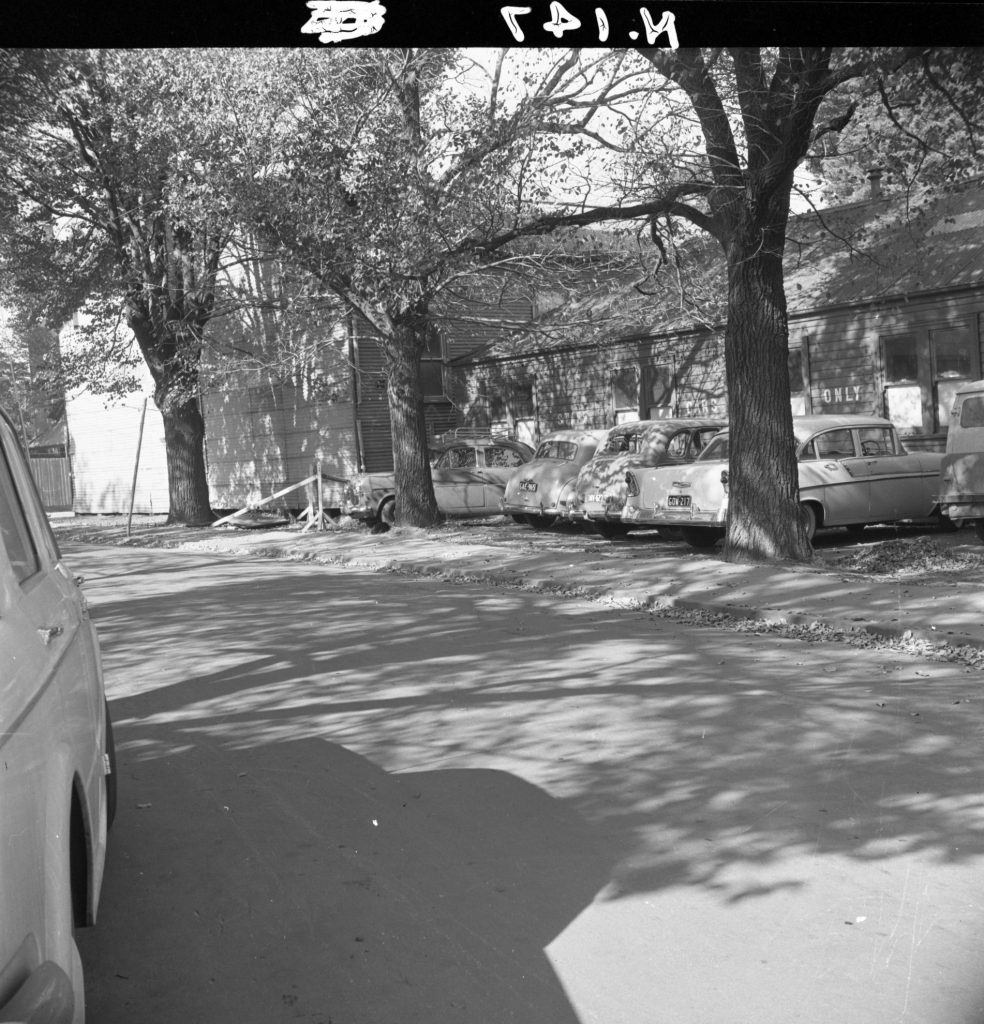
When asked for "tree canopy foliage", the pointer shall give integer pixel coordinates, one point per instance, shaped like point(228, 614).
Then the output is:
point(157, 189)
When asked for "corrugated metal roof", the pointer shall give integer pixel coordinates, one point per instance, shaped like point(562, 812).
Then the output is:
point(886, 248)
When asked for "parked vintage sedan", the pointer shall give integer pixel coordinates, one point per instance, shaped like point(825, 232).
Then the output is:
point(600, 491)
point(469, 475)
point(542, 490)
point(57, 793)
point(853, 471)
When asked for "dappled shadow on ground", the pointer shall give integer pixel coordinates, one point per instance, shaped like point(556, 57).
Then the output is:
point(668, 735)
point(698, 758)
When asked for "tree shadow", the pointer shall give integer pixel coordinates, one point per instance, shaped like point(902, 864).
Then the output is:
point(299, 880)
point(704, 759)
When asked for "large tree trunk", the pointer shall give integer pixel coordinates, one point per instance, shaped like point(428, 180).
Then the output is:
point(184, 442)
point(175, 394)
point(763, 510)
point(415, 501)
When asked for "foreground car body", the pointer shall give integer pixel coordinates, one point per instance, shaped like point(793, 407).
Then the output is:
point(543, 489)
point(961, 491)
point(469, 477)
point(55, 754)
point(853, 470)
point(601, 490)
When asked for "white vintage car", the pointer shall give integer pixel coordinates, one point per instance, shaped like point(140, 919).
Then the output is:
point(57, 787)
point(469, 475)
point(542, 489)
point(600, 492)
point(853, 471)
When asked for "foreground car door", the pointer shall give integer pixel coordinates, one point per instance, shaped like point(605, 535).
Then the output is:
point(501, 463)
point(457, 483)
point(903, 486)
point(832, 472)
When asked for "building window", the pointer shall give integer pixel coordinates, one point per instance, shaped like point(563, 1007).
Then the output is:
point(625, 394)
point(797, 387)
point(432, 368)
point(955, 362)
point(923, 369)
point(657, 391)
point(901, 359)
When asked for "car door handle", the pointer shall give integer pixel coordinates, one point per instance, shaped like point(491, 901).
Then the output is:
point(48, 633)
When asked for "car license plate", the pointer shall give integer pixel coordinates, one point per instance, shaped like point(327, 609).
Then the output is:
point(527, 485)
point(678, 501)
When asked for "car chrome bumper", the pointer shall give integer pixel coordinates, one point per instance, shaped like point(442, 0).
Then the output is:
point(359, 511)
point(512, 508)
point(673, 516)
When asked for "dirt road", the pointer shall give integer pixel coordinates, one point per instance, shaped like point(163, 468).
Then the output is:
point(368, 799)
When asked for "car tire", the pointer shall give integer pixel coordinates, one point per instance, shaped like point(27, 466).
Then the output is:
point(542, 522)
point(809, 517)
point(521, 519)
point(112, 786)
point(386, 516)
point(701, 537)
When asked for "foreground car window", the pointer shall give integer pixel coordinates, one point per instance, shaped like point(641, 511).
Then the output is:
point(676, 447)
point(877, 441)
point(14, 530)
point(457, 458)
point(502, 458)
point(835, 444)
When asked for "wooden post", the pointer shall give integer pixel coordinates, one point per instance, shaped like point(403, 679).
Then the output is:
point(136, 467)
point(321, 506)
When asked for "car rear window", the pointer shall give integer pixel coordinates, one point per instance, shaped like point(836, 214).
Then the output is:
point(566, 451)
point(972, 411)
point(718, 449)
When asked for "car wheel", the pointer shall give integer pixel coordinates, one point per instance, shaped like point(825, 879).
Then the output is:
point(112, 786)
point(521, 519)
point(610, 530)
point(701, 536)
point(542, 522)
point(386, 516)
point(809, 516)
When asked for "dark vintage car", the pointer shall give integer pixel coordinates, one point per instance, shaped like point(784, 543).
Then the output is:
point(469, 475)
point(57, 790)
point(543, 489)
point(853, 471)
point(601, 491)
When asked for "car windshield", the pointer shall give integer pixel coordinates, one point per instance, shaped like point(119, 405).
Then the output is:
point(566, 451)
point(718, 449)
